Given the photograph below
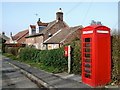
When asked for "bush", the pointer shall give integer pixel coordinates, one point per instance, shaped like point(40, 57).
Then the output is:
point(12, 50)
point(76, 57)
point(115, 59)
point(53, 57)
point(28, 54)
point(3, 47)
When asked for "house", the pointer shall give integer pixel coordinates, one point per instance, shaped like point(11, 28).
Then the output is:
point(41, 31)
point(3, 38)
point(19, 37)
point(53, 34)
point(63, 36)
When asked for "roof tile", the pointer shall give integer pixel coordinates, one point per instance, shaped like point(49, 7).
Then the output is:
point(62, 34)
point(19, 35)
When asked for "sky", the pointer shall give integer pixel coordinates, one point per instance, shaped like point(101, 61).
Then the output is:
point(17, 16)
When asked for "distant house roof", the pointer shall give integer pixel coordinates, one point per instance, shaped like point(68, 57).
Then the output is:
point(43, 31)
point(42, 24)
point(51, 24)
point(20, 35)
point(4, 37)
point(32, 26)
point(61, 35)
point(35, 35)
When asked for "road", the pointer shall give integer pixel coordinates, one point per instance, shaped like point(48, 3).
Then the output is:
point(12, 77)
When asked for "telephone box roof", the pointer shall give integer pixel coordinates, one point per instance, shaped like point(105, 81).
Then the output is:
point(96, 26)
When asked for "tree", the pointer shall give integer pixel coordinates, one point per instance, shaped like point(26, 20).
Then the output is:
point(99, 23)
point(93, 22)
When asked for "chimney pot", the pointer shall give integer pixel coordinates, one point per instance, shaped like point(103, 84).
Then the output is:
point(59, 15)
point(3, 33)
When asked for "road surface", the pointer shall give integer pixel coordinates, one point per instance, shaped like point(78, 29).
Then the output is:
point(12, 77)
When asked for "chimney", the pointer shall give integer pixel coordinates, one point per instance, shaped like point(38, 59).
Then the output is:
point(3, 33)
point(39, 20)
point(10, 34)
point(59, 15)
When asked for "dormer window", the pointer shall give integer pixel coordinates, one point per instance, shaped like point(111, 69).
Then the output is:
point(50, 35)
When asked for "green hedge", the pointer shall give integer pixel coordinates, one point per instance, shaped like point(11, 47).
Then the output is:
point(76, 57)
point(115, 59)
point(28, 54)
point(53, 57)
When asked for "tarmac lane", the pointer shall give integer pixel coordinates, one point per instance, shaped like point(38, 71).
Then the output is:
point(15, 72)
point(13, 78)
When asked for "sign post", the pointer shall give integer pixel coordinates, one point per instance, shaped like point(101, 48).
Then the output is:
point(68, 54)
point(69, 59)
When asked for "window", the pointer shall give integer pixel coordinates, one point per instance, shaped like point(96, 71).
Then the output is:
point(87, 45)
point(87, 60)
point(87, 50)
point(54, 46)
point(87, 55)
point(87, 71)
point(87, 75)
point(87, 40)
point(23, 42)
point(87, 65)
point(44, 45)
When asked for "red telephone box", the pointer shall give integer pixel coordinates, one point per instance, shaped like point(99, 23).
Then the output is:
point(66, 50)
point(96, 55)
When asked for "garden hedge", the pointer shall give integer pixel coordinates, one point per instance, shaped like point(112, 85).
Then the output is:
point(12, 50)
point(53, 57)
point(76, 57)
point(115, 59)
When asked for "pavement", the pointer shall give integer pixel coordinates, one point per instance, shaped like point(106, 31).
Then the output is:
point(46, 79)
point(13, 78)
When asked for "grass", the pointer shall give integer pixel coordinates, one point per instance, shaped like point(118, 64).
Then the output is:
point(34, 64)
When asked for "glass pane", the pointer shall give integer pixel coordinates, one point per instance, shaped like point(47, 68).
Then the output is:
point(87, 65)
point(87, 75)
point(87, 45)
point(87, 60)
point(87, 39)
point(87, 55)
point(87, 71)
point(87, 50)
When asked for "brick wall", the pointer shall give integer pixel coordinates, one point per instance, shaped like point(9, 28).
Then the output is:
point(39, 41)
point(30, 41)
point(36, 41)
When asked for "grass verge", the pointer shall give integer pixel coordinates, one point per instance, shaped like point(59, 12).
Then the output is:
point(34, 64)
